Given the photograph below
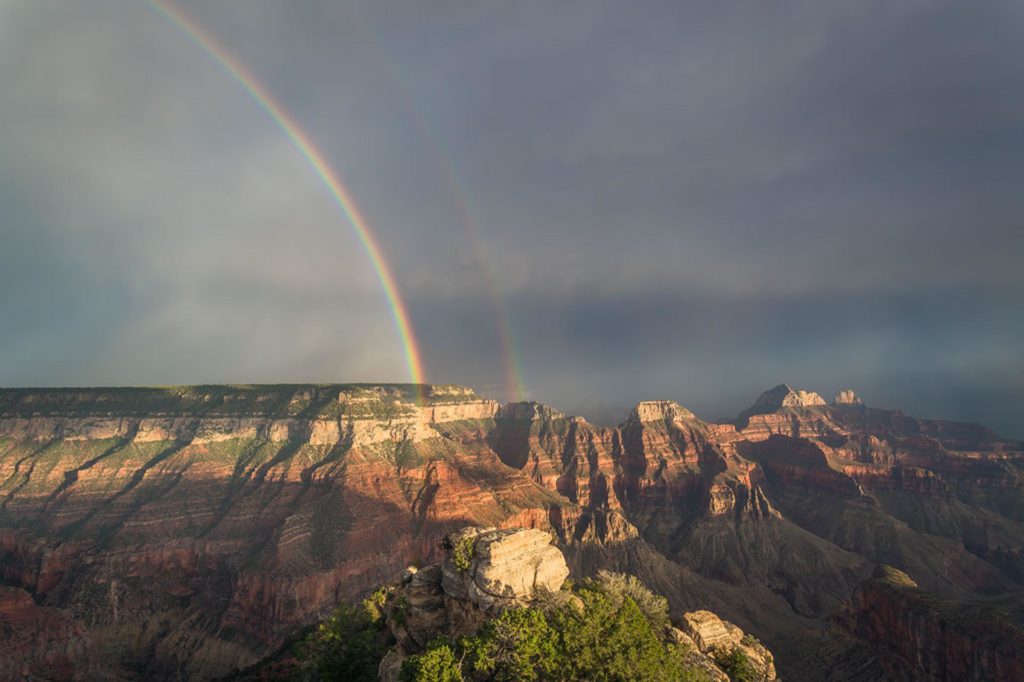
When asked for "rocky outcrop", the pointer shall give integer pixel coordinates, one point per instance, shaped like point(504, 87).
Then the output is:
point(718, 638)
point(485, 570)
point(919, 637)
point(493, 568)
point(191, 530)
point(783, 396)
point(38, 643)
point(847, 397)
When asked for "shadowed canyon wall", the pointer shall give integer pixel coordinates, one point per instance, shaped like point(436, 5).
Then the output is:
point(188, 532)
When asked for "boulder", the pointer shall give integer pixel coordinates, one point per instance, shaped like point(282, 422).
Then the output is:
point(713, 636)
point(484, 570)
point(390, 668)
point(420, 613)
point(495, 568)
point(708, 631)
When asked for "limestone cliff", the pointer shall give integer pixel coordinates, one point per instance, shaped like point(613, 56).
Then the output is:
point(191, 530)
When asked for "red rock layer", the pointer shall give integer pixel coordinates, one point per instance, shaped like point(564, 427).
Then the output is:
point(920, 638)
point(191, 532)
point(42, 643)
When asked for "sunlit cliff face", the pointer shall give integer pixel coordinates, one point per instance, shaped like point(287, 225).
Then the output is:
point(244, 513)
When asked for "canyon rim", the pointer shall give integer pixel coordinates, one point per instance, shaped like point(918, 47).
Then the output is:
point(193, 531)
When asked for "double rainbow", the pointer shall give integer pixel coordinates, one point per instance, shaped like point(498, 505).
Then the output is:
point(304, 144)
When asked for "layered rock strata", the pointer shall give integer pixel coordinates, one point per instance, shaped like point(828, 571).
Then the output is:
point(189, 531)
point(919, 637)
point(713, 637)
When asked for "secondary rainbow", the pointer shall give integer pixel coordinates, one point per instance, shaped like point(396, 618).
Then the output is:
point(514, 382)
point(304, 144)
point(510, 364)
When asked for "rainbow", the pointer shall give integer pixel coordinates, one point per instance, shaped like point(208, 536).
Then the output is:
point(513, 377)
point(316, 159)
point(510, 364)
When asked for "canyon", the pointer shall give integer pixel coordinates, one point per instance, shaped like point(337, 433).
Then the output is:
point(191, 532)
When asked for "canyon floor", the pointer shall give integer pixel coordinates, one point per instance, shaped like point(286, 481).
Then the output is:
point(189, 532)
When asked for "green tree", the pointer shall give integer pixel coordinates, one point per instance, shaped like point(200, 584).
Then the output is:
point(607, 631)
point(436, 664)
point(517, 645)
point(346, 646)
point(604, 642)
point(737, 665)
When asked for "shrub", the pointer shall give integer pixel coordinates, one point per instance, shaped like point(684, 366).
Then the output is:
point(436, 664)
point(374, 604)
point(618, 587)
point(347, 646)
point(517, 645)
point(462, 554)
point(400, 611)
point(604, 642)
point(737, 665)
point(750, 640)
point(548, 601)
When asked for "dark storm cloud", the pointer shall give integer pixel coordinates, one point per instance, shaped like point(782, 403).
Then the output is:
point(932, 353)
point(693, 201)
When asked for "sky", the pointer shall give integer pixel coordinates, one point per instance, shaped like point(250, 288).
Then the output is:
point(682, 200)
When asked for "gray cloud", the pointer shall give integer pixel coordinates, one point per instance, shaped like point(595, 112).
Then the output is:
point(693, 201)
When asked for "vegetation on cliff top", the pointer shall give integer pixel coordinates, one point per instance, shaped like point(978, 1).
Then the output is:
point(244, 400)
point(609, 629)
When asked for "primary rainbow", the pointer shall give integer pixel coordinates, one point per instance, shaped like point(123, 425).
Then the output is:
point(302, 142)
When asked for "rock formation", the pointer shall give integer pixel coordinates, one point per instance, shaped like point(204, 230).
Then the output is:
point(919, 637)
point(492, 568)
point(190, 531)
point(847, 397)
point(485, 570)
point(38, 643)
point(713, 636)
point(783, 396)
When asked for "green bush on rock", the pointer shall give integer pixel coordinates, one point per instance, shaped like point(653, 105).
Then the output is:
point(350, 643)
point(436, 664)
point(738, 666)
point(462, 555)
point(517, 645)
point(610, 629)
point(592, 638)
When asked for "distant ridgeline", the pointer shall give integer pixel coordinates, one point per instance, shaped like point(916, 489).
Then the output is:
point(257, 400)
point(194, 531)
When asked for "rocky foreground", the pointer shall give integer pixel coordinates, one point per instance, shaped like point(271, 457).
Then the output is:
point(520, 568)
point(189, 532)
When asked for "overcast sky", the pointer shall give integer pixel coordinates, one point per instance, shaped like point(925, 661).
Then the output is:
point(676, 200)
